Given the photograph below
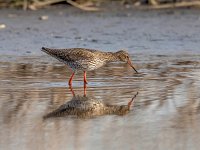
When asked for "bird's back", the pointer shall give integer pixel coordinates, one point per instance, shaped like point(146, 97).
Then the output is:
point(71, 54)
point(78, 58)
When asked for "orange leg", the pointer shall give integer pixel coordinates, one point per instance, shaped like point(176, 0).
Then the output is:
point(70, 80)
point(85, 80)
point(71, 89)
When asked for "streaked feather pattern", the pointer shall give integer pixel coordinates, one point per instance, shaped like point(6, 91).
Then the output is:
point(80, 58)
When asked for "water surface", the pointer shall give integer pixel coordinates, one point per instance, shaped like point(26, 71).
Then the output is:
point(166, 110)
point(164, 46)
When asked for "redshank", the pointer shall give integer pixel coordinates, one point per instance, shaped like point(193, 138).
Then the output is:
point(87, 59)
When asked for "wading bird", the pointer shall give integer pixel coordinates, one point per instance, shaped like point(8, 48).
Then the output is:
point(87, 59)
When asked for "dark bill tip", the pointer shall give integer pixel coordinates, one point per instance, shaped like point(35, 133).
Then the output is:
point(129, 62)
point(134, 69)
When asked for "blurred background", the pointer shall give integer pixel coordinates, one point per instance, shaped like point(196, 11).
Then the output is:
point(85, 4)
point(162, 38)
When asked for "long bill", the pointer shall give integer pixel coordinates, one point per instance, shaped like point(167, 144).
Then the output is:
point(129, 62)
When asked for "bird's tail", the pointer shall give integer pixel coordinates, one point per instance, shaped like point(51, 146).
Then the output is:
point(56, 53)
point(46, 50)
point(53, 52)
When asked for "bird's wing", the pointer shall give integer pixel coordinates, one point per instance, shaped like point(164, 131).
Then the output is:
point(79, 54)
point(70, 55)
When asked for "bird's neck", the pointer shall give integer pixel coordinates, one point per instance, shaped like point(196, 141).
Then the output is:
point(111, 57)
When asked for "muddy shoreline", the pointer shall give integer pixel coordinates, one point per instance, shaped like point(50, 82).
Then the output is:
point(158, 31)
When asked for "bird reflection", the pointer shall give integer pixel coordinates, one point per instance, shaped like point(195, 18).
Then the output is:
point(88, 107)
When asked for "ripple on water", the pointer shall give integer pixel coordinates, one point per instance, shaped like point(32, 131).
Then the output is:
point(167, 103)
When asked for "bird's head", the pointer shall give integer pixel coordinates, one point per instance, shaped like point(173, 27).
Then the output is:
point(122, 55)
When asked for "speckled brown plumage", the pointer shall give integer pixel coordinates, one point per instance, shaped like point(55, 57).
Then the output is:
point(86, 59)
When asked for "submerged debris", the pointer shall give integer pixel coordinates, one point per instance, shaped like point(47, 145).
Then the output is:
point(44, 17)
point(93, 5)
point(2, 26)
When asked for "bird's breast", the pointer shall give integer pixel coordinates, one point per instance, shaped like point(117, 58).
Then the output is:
point(85, 64)
point(95, 64)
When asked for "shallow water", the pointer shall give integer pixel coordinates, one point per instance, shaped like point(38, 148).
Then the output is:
point(165, 113)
